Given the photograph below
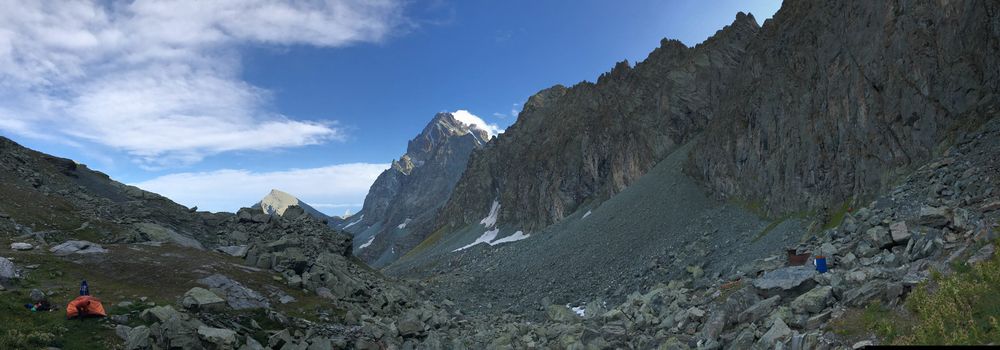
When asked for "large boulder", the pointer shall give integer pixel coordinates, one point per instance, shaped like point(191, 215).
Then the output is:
point(936, 217)
point(203, 300)
point(137, 338)
point(779, 331)
point(220, 338)
point(814, 300)
point(7, 269)
point(237, 296)
point(238, 251)
point(899, 232)
point(879, 237)
point(786, 279)
point(159, 314)
point(760, 309)
point(156, 232)
point(77, 247)
point(559, 313)
point(21, 246)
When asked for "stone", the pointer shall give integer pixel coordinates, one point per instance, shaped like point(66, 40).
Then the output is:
point(220, 337)
point(7, 269)
point(36, 295)
point(779, 331)
point(818, 320)
point(814, 300)
point(202, 299)
point(122, 331)
point(238, 251)
point(410, 326)
point(879, 237)
point(760, 309)
point(77, 247)
point(899, 232)
point(253, 344)
point(119, 319)
point(828, 250)
point(784, 279)
point(991, 206)
point(714, 326)
point(21, 246)
point(237, 296)
point(695, 313)
point(744, 340)
point(695, 271)
point(983, 254)
point(936, 217)
point(158, 233)
point(159, 314)
point(138, 338)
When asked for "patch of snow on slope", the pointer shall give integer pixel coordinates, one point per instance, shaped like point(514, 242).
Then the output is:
point(586, 215)
point(352, 224)
point(517, 236)
point(579, 310)
point(485, 238)
point(491, 219)
point(403, 225)
point(370, 240)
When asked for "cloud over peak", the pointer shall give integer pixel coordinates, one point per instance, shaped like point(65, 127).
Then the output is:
point(471, 119)
point(160, 80)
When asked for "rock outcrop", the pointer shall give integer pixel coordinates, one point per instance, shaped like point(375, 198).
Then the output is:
point(400, 209)
point(834, 100)
point(277, 202)
point(590, 141)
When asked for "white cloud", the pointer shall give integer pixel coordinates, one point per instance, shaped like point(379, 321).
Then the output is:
point(471, 119)
point(161, 79)
point(330, 187)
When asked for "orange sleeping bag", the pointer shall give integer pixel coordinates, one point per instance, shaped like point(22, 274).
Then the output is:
point(85, 306)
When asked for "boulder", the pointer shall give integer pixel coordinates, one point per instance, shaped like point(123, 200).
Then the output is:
point(21, 246)
point(237, 296)
point(779, 331)
point(220, 338)
point(760, 309)
point(159, 314)
point(879, 237)
point(983, 254)
point(138, 339)
point(77, 247)
point(410, 326)
point(813, 301)
point(785, 279)
point(36, 295)
point(899, 232)
point(238, 251)
point(122, 331)
point(7, 269)
point(936, 217)
point(156, 232)
point(202, 299)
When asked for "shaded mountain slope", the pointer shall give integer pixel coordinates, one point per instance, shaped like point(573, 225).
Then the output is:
point(591, 140)
point(839, 99)
point(400, 208)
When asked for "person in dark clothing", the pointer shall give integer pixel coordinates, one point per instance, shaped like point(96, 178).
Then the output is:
point(84, 288)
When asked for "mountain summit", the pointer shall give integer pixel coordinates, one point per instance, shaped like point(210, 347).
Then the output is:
point(404, 200)
point(276, 202)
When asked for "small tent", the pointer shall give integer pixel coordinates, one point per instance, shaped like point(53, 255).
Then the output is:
point(85, 306)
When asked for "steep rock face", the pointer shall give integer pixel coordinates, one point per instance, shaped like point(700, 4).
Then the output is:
point(590, 141)
point(838, 98)
point(276, 202)
point(404, 200)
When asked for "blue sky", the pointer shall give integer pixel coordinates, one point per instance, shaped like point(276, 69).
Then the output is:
point(214, 104)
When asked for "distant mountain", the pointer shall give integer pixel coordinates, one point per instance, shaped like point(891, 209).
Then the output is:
point(276, 202)
point(403, 202)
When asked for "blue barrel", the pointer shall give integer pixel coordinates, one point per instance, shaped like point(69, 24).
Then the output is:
point(821, 264)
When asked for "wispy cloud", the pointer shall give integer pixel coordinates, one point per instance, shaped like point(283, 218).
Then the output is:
point(160, 80)
point(334, 187)
point(471, 119)
point(513, 112)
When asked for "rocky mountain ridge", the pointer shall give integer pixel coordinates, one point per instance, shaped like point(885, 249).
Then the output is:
point(276, 202)
point(404, 200)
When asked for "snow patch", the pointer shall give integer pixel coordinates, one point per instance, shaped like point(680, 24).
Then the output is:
point(586, 215)
point(352, 224)
point(370, 240)
point(517, 236)
point(491, 220)
point(403, 225)
point(485, 238)
point(579, 310)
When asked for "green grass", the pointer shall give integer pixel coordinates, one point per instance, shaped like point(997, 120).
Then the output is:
point(23, 329)
point(961, 308)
